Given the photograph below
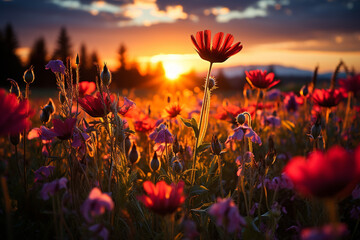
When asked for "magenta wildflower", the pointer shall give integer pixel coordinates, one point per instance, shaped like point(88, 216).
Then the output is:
point(226, 213)
point(161, 135)
point(62, 129)
point(126, 106)
point(96, 204)
point(43, 173)
point(56, 66)
point(271, 120)
point(327, 232)
point(49, 189)
point(100, 231)
point(244, 130)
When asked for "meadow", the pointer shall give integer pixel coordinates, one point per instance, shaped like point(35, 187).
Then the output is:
point(92, 163)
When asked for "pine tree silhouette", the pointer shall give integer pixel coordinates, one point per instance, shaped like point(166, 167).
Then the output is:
point(63, 49)
point(10, 64)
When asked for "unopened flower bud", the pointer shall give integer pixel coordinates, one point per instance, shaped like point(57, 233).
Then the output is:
point(105, 76)
point(77, 61)
point(44, 116)
point(212, 83)
point(127, 144)
point(168, 99)
point(155, 164)
point(29, 76)
point(50, 107)
point(315, 130)
point(247, 93)
point(215, 145)
point(62, 98)
point(304, 91)
point(240, 119)
point(177, 166)
point(176, 146)
point(15, 139)
point(133, 155)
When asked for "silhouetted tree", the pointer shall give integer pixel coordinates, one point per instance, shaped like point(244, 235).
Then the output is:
point(63, 49)
point(37, 58)
point(94, 62)
point(122, 57)
point(85, 74)
point(222, 82)
point(10, 64)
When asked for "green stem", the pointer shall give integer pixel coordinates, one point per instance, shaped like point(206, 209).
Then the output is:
point(331, 208)
point(348, 105)
point(200, 123)
point(220, 176)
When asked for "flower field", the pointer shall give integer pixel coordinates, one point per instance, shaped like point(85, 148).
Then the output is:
point(92, 163)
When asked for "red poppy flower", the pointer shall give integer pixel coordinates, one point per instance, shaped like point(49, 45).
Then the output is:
point(86, 88)
point(161, 198)
point(260, 79)
point(215, 52)
point(323, 175)
point(351, 84)
point(327, 97)
point(14, 114)
point(173, 110)
point(145, 124)
point(93, 105)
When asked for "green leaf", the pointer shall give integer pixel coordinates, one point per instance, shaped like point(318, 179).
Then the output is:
point(203, 147)
point(191, 123)
point(197, 190)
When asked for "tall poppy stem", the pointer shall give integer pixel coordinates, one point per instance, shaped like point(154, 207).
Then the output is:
point(348, 105)
point(202, 112)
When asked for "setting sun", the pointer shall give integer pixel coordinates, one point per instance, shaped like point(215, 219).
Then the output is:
point(173, 70)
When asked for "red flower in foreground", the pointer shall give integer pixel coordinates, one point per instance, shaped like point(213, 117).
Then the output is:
point(331, 174)
point(327, 97)
point(86, 88)
point(162, 198)
point(173, 110)
point(14, 114)
point(260, 79)
point(217, 52)
point(94, 106)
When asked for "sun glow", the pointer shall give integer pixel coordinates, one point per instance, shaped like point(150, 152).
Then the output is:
point(173, 70)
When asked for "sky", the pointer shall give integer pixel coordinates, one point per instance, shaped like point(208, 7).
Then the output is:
point(297, 33)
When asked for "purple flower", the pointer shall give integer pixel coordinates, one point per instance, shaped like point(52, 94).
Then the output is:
point(161, 135)
point(327, 232)
point(53, 187)
point(96, 204)
point(190, 231)
point(56, 66)
point(244, 130)
point(356, 192)
point(226, 213)
point(127, 106)
point(273, 94)
point(43, 173)
point(100, 231)
point(271, 120)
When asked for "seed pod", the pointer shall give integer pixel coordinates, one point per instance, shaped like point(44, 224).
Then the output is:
point(50, 107)
point(29, 76)
point(240, 119)
point(304, 91)
point(177, 166)
point(77, 61)
point(133, 155)
point(105, 76)
point(215, 145)
point(62, 98)
point(175, 145)
point(212, 83)
point(155, 164)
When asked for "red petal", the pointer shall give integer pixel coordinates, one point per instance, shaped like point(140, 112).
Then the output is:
point(217, 41)
point(207, 39)
point(200, 39)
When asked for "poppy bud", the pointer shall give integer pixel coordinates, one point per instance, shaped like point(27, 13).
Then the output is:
point(44, 116)
point(304, 91)
point(105, 76)
point(77, 61)
point(15, 139)
point(176, 146)
point(316, 130)
point(155, 164)
point(62, 98)
point(247, 93)
point(168, 99)
point(212, 83)
point(133, 155)
point(240, 119)
point(177, 166)
point(127, 144)
point(29, 76)
point(15, 90)
point(215, 145)
point(50, 107)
